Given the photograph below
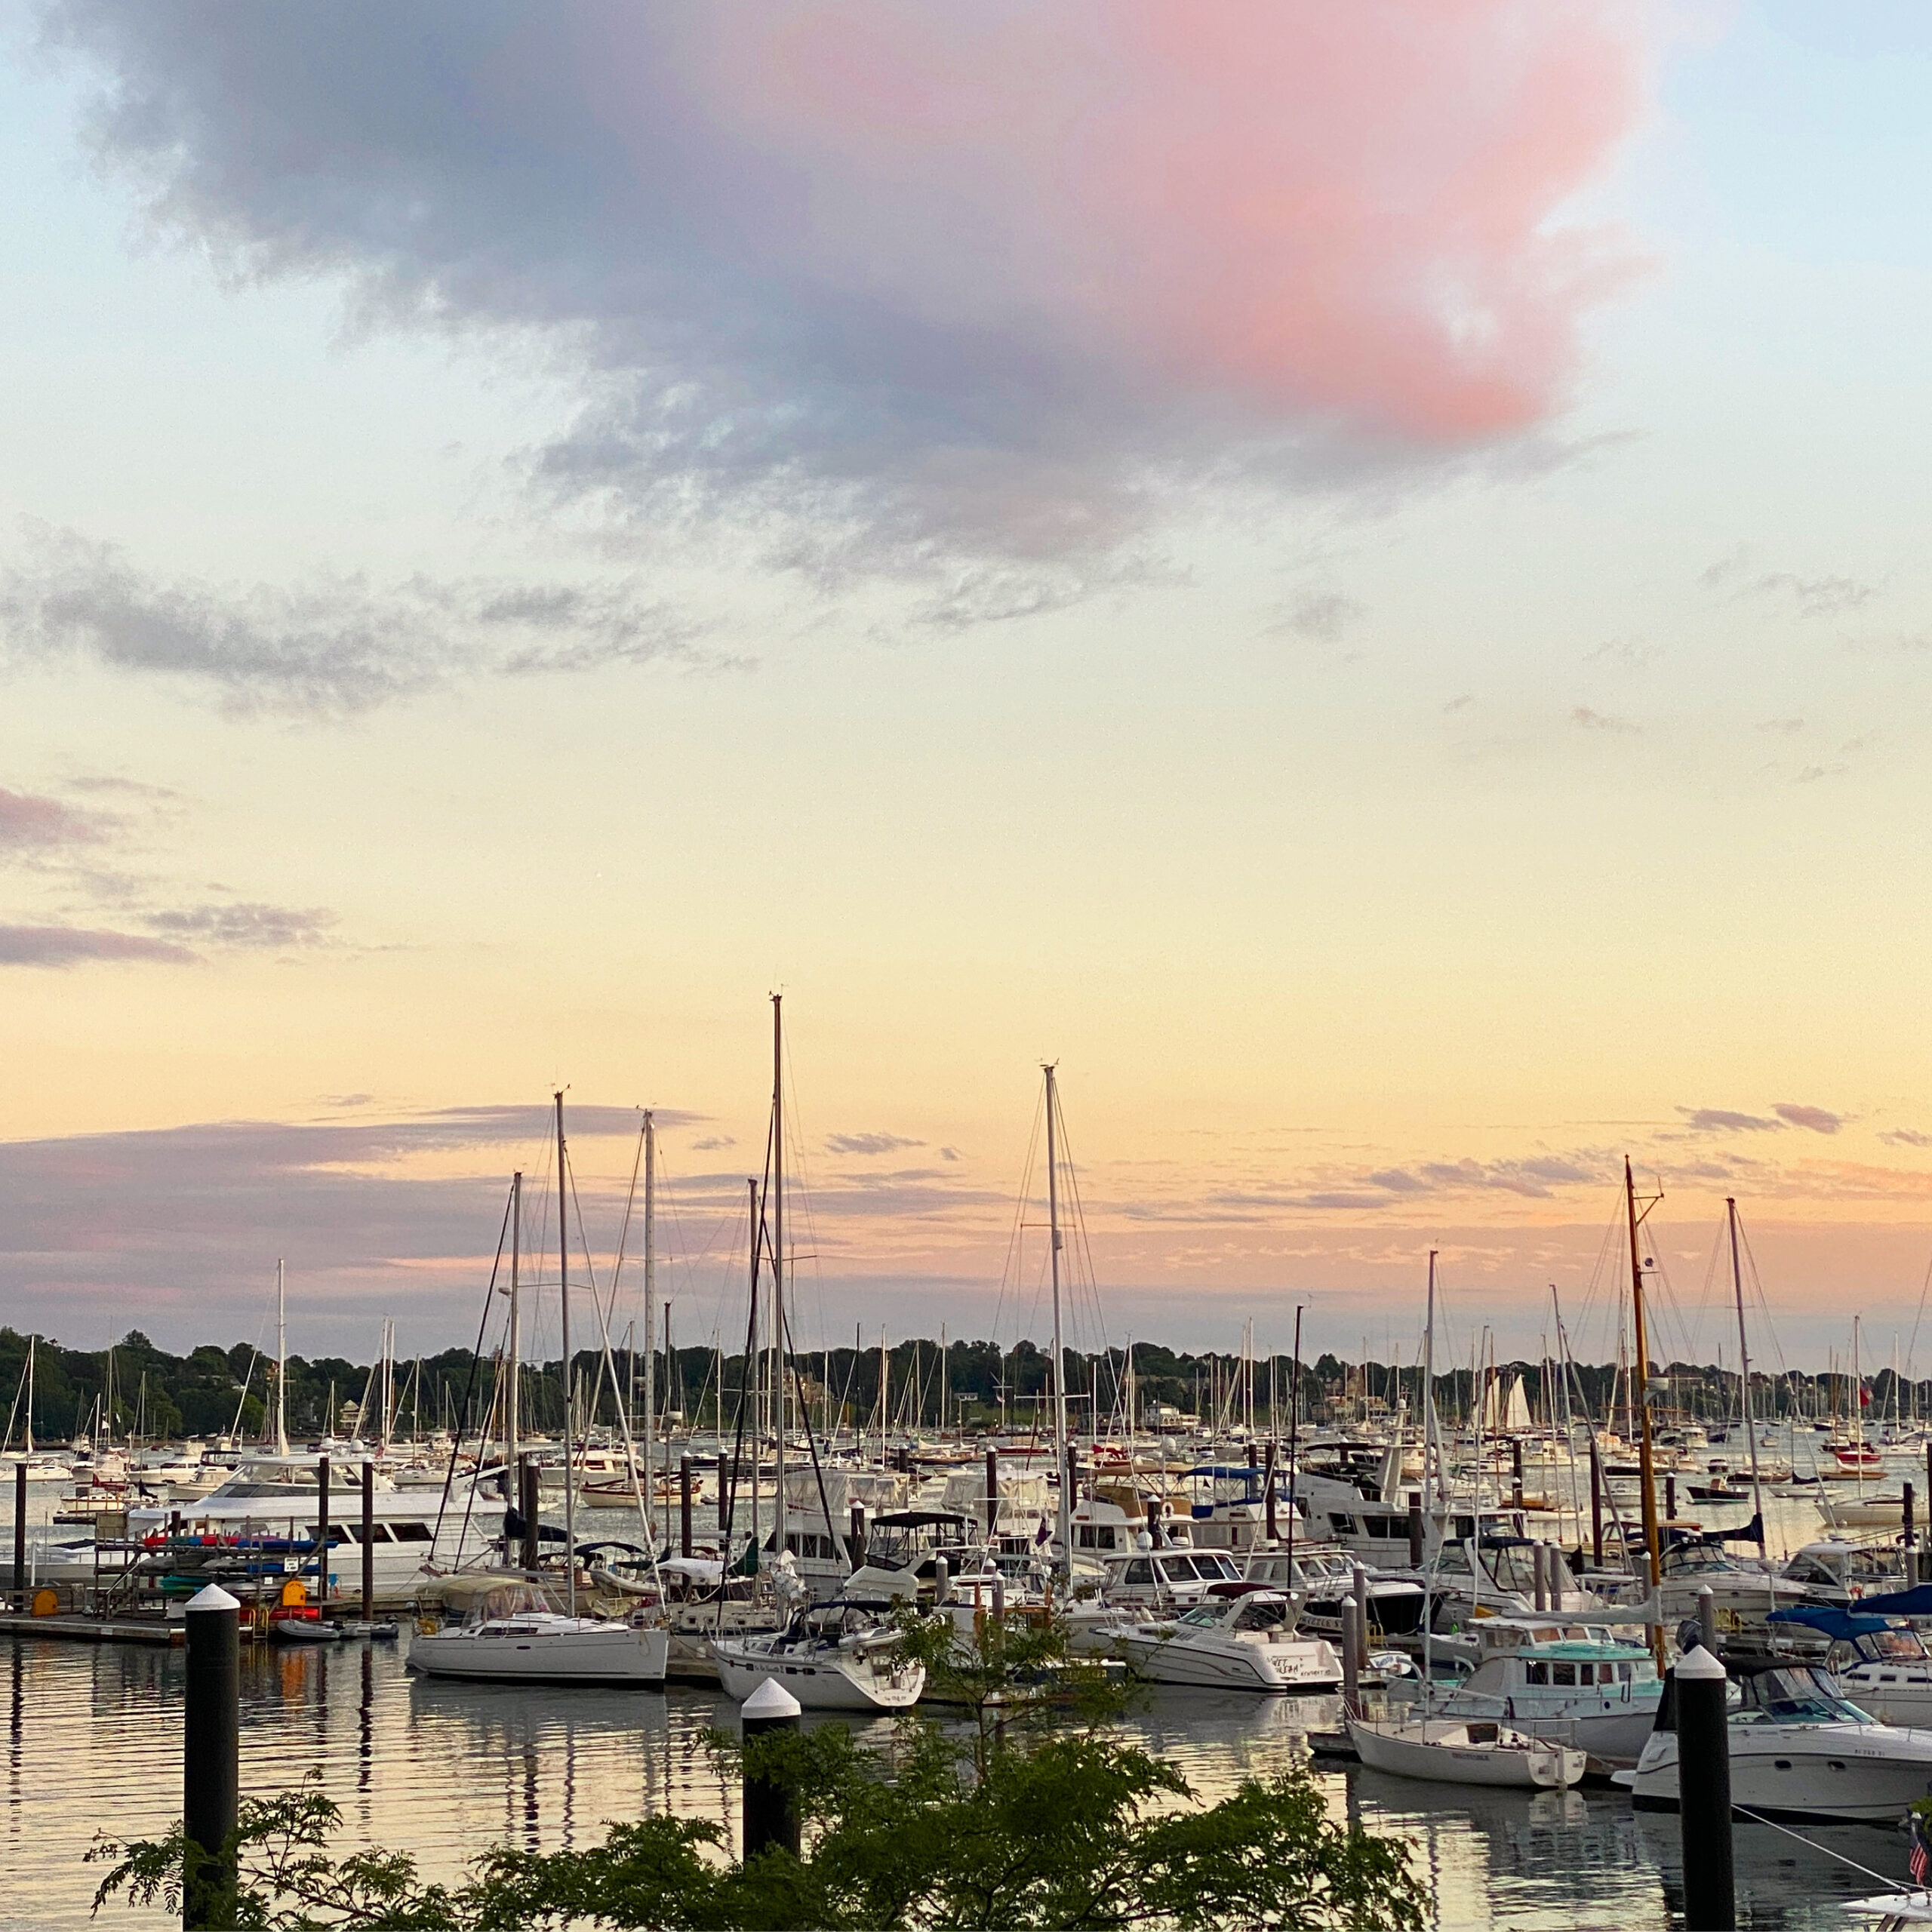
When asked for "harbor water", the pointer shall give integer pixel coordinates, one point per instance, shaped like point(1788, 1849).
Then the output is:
point(443, 1771)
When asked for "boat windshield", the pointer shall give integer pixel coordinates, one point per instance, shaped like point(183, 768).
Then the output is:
point(1892, 1647)
point(1200, 1619)
point(1793, 1695)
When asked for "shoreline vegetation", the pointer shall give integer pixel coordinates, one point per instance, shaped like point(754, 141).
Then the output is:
point(134, 1390)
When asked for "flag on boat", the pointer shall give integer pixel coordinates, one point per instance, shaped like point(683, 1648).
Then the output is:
point(1920, 1857)
point(1045, 1533)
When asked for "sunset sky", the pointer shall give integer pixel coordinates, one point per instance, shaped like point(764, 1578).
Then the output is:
point(1354, 575)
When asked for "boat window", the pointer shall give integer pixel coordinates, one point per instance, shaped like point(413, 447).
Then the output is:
point(1255, 1615)
point(1564, 1673)
point(407, 1532)
point(1217, 1568)
point(1201, 1619)
point(1106, 1539)
point(1586, 1673)
point(1624, 1673)
point(1537, 1671)
point(1141, 1570)
point(1904, 1645)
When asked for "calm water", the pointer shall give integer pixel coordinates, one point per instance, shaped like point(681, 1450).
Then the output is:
point(441, 1770)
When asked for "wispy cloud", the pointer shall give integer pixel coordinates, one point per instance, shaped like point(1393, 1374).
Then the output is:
point(249, 925)
point(869, 1143)
point(1905, 1136)
point(1815, 1119)
point(74, 946)
point(1586, 719)
point(329, 647)
point(1724, 1120)
point(30, 823)
point(1320, 616)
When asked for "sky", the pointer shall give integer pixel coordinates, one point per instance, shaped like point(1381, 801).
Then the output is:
point(1351, 576)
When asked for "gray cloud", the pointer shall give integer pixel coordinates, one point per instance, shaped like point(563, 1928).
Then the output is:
point(1905, 1136)
point(70, 945)
point(869, 1143)
point(30, 823)
point(1320, 616)
point(1828, 596)
point(1816, 1120)
point(247, 925)
point(1722, 1120)
point(329, 648)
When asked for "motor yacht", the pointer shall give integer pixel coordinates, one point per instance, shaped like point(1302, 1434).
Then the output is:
point(1241, 1642)
point(1798, 1749)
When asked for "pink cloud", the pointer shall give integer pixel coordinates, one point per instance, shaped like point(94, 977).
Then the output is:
point(1300, 208)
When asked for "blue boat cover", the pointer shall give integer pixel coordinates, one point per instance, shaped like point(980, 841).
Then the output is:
point(1841, 1626)
point(1916, 1602)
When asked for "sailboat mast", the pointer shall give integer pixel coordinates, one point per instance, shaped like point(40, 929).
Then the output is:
point(280, 1361)
point(570, 1386)
point(754, 1360)
point(33, 1341)
point(1744, 1371)
point(1065, 1525)
point(1431, 1440)
point(650, 1310)
point(513, 1408)
point(778, 1268)
point(1640, 1391)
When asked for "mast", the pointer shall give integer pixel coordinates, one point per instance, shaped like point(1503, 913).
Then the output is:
point(753, 1367)
point(1431, 1445)
point(1065, 1525)
point(280, 1361)
point(570, 1386)
point(650, 1298)
point(778, 1269)
point(31, 1341)
point(1744, 1371)
point(1641, 1393)
point(514, 1407)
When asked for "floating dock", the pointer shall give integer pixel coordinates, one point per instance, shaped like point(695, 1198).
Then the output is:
point(77, 1629)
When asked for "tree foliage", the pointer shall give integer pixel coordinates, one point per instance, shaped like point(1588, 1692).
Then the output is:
point(1001, 1823)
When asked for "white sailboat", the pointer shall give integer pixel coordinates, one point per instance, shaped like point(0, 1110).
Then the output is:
point(520, 1643)
point(1467, 1751)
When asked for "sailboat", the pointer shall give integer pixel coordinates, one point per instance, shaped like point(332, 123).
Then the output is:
point(517, 1638)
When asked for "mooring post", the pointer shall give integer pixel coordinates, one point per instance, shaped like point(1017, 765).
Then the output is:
point(1360, 1586)
point(322, 1533)
point(368, 1542)
point(1910, 1537)
point(855, 1536)
point(210, 1757)
point(1670, 1499)
point(941, 1580)
point(684, 1506)
point(20, 1535)
point(1267, 1492)
point(1516, 1472)
point(1350, 1654)
point(531, 1486)
point(1596, 1502)
point(1703, 1787)
point(771, 1804)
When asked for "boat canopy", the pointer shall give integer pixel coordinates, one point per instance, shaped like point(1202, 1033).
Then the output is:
point(1841, 1626)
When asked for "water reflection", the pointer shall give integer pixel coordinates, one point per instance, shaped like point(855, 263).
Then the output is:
point(444, 1770)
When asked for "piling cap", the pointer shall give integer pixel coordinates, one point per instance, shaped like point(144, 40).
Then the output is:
point(1698, 1665)
point(213, 1597)
point(770, 1702)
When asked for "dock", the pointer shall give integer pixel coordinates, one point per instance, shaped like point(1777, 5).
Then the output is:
point(75, 1629)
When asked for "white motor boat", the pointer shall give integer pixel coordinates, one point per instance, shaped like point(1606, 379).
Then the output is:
point(1563, 1681)
point(1471, 1751)
point(540, 1647)
point(1797, 1750)
point(1246, 1642)
point(834, 1657)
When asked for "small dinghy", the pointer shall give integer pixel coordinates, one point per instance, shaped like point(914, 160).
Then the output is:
point(1449, 1752)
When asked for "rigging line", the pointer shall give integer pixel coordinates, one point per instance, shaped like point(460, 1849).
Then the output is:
point(482, 1325)
point(630, 1201)
point(1013, 1242)
point(1923, 1292)
point(812, 1438)
point(1812, 1844)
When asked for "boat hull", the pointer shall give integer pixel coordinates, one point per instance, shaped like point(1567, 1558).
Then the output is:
point(819, 1681)
point(1422, 1751)
point(1833, 1773)
point(1305, 1666)
point(607, 1654)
